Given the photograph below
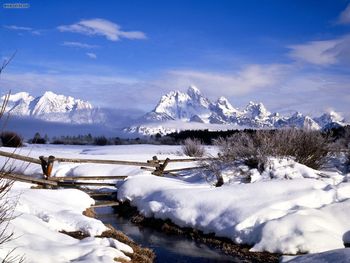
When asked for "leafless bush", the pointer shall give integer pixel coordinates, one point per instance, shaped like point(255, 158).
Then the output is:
point(251, 149)
point(343, 145)
point(6, 207)
point(306, 147)
point(11, 139)
point(193, 148)
point(5, 212)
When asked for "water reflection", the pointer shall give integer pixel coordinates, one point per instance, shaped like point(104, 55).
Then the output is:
point(168, 248)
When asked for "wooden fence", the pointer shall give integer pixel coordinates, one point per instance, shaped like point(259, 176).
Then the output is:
point(156, 166)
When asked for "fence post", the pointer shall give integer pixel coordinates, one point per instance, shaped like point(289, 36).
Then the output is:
point(160, 169)
point(47, 166)
point(43, 165)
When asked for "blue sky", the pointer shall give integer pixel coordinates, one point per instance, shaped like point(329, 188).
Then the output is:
point(290, 55)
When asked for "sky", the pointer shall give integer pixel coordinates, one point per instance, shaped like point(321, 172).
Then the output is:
point(290, 55)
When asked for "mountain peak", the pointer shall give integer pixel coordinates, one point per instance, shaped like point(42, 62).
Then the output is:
point(193, 91)
point(256, 110)
point(330, 117)
point(225, 106)
point(222, 100)
point(52, 107)
point(193, 107)
point(49, 94)
point(334, 116)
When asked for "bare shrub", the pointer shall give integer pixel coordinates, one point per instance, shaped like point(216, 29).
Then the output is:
point(249, 148)
point(5, 212)
point(306, 147)
point(11, 139)
point(193, 148)
point(7, 207)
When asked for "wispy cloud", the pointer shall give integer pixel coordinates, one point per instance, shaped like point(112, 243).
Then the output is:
point(323, 52)
point(246, 80)
point(23, 28)
point(121, 90)
point(344, 17)
point(78, 45)
point(281, 88)
point(101, 27)
point(91, 55)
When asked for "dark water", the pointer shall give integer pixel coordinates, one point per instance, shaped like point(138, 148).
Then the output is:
point(168, 248)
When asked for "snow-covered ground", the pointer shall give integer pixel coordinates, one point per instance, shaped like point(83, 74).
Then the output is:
point(288, 209)
point(40, 214)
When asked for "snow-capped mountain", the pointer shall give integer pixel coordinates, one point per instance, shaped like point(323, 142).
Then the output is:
point(329, 120)
point(192, 107)
point(175, 111)
point(53, 107)
point(298, 120)
point(178, 105)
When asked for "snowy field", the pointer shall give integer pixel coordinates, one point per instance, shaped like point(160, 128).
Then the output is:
point(288, 209)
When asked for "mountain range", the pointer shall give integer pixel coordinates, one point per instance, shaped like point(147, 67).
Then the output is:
point(175, 111)
point(178, 107)
point(53, 108)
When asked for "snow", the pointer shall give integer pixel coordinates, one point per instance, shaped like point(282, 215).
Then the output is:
point(40, 214)
point(263, 219)
point(170, 126)
point(190, 109)
point(337, 255)
point(53, 107)
point(179, 105)
point(289, 208)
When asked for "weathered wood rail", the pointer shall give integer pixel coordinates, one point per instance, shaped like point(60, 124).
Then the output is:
point(20, 157)
point(156, 166)
point(86, 178)
point(28, 179)
point(98, 161)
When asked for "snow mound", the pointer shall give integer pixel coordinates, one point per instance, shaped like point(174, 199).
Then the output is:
point(337, 255)
point(285, 216)
point(40, 215)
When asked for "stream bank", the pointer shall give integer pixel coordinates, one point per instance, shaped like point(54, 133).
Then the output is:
point(173, 244)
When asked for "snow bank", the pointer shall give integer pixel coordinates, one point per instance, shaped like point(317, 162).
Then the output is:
point(40, 215)
point(337, 255)
point(285, 216)
point(289, 208)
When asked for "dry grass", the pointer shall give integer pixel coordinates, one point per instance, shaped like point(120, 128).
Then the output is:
point(193, 148)
point(306, 147)
point(140, 254)
point(89, 212)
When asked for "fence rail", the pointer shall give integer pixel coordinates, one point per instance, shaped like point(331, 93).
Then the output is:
point(156, 166)
point(20, 157)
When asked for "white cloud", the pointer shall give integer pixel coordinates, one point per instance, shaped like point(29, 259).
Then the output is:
point(78, 45)
point(344, 17)
point(281, 88)
point(323, 52)
point(91, 55)
point(23, 28)
point(120, 90)
point(246, 80)
point(101, 27)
